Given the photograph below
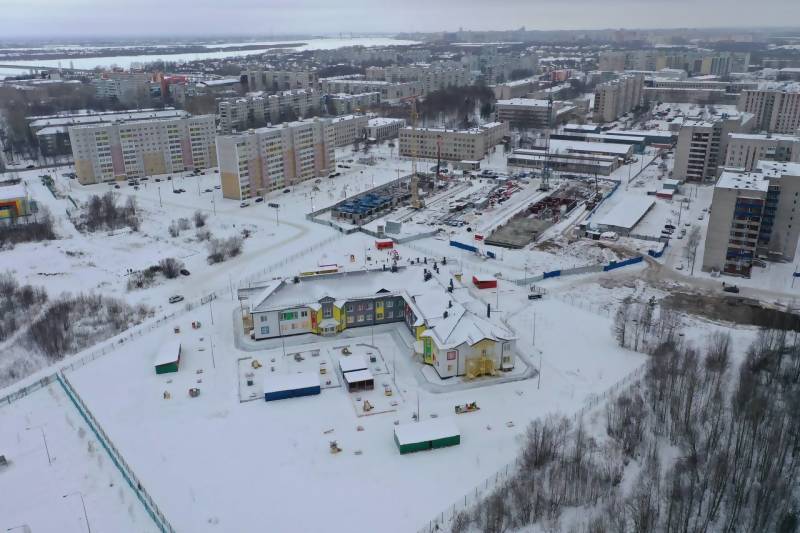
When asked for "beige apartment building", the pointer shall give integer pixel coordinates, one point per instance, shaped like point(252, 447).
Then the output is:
point(745, 150)
point(776, 107)
point(348, 129)
point(456, 145)
point(258, 109)
point(752, 218)
point(703, 143)
point(357, 84)
point(133, 149)
point(613, 99)
point(342, 104)
point(431, 77)
point(267, 159)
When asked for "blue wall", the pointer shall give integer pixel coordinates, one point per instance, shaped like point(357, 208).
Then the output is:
point(292, 393)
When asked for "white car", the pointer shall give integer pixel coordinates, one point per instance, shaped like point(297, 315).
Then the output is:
point(244, 204)
point(175, 299)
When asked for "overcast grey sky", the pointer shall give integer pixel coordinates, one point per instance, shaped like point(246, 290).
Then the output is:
point(40, 18)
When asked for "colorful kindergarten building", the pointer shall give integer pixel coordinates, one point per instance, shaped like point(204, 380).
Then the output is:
point(453, 332)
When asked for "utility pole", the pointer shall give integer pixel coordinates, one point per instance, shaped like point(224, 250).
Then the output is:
point(83, 503)
point(160, 204)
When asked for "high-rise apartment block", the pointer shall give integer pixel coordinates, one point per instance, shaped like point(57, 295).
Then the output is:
point(453, 145)
point(703, 142)
point(357, 84)
point(613, 99)
point(752, 218)
point(693, 62)
point(342, 104)
point(775, 106)
point(745, 150)
point(258, 109)
point(433, 77)
point(348, 129)
point(138, 148)
point(124, 87)
point(271, 158)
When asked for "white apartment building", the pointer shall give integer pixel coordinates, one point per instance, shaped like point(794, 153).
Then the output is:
point(703, 143)
point(532, 113)
point(752, 217)
point(125, 87)
point(348, 129)
point(280, 80)
point(745, 150)
point(258, 109)
point(381, 128)
point(456, 145)
point(138, 148)
point(432, 77)
point(271, 158)
point(359, 84)
point(775, 106)
point(342, 103)
point(613, 99)
point(516, 89)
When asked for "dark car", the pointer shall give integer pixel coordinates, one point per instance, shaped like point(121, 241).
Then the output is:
point(158, 179)
point(259, 199)
point(30, 167)
point(116, 186)
point(730, 288)
point(184, 272)
point(287, 190)
point(209, 190)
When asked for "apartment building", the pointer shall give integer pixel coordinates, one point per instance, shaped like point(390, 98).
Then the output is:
point(267, 159)
point(694, 91)
point(124, 87)
point(456, 145)
point(359, 84)
point(381, 128)
point(342, 104)
point(259, 109)
point(775, 106)
point(613, 99)
point(348, 129)
point(692, 61)
point(745, 150)
point(280, 80)
point(752, 218)
point(703, 142)
point(432, 77)
point(52, 131)
point(138, 148)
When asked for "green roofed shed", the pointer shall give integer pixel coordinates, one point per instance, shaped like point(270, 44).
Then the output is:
point(426, 435)
point(169, 357)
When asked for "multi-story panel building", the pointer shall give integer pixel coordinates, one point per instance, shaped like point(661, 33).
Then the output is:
point(702, 144)
point(432, 77)
point(280, 80)
point(138, 148)
point(125, 87)
point(348, 129)
point(258, 109)
point(268, 159)
point(453, 145)
point(516, 88)
point(359, 84)
point(532, 113)
point(342, 104)
point(776, 107)
point(752, 218)
point(745, 150)
point(615, 98)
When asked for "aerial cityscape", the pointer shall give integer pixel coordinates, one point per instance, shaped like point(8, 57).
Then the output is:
point(299, 267)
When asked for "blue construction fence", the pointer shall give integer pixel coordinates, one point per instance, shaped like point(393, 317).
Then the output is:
point(462, 246)
point(619, 264)
point(658, 253)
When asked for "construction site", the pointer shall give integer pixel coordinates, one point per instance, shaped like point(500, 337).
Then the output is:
point(529, 223)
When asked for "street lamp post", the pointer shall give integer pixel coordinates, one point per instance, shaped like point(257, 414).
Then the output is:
point(44, 439)
point(83, 503)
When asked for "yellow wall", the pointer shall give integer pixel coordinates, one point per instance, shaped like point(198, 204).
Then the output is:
point(419, 331)
point(338, 316)
point(85, 171)
point(230, 186)
point(154, 164)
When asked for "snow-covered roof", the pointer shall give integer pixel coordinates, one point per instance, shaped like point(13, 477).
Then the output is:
point(426, 430)
point(627, 212)
point(169, 352)
point(563, 145)
point(286, 382)
point(523, 102)
point(352, 363)
point(357, 376)
point(12, 192)
point(745, 181)
point(269, 289)
point(778, 168)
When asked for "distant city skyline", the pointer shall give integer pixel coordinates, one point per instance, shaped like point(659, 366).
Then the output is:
point(87, 18)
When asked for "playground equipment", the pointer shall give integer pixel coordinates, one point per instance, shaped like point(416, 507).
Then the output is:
point(467, 408)
point(334, 447)
point(194, 392)
point(167, 395)
point(367, 406)
point(256, 364)
point(346, 350)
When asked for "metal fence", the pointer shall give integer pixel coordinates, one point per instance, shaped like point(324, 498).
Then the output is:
point(116, 457)
point(442, 520)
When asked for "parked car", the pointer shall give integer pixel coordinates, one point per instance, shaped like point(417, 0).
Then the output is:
point(669, 226)
point(209, 190)
point(175, 299)
point(30, 167)
point(158, 180)
point(244, 204)
point(184, 272)
point(287, 190)
point(730, 288)
point(116, 186)
point(259, 199)
point(216, 186)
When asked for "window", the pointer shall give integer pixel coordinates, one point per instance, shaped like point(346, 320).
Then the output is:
point(350, 319)
point(506, 359)
point(378, 316)
point(449, 368)
point(265, 330)
point(389, 303)
point(390, 314)
point(452, 355)
point(360, 318)
point(304, 314)
point(262, 318)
